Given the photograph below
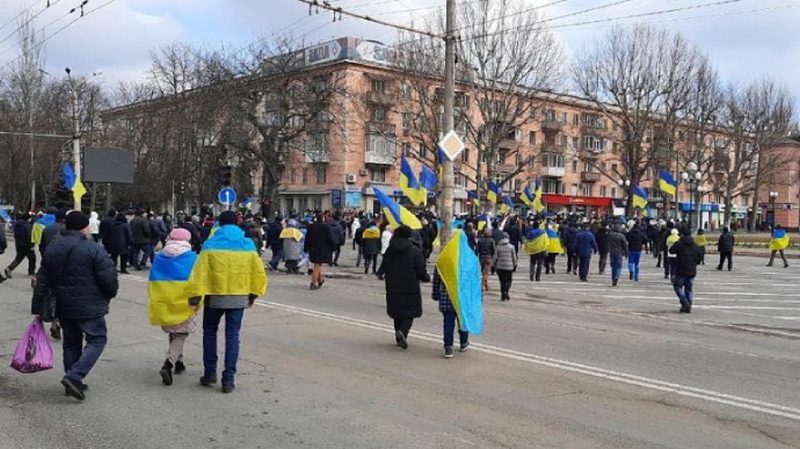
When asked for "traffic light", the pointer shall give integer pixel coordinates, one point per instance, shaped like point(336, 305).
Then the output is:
point(181, 188)
point(225, 176)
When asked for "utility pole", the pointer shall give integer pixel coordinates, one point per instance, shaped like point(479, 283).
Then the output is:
point(449, 113)
point(76, 141)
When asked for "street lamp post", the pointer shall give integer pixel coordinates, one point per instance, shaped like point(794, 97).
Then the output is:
point(692, 176)
point(624, 184)
point(773, 196)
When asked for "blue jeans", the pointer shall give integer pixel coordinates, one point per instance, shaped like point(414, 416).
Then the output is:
point(671, 264)
point(633, 263)
point(233, 323)
point(616, 267)
point(277, 256)
point(583, 268)
point(138, 255)
point(450, 319)
point(683, 288)
point(79, 360)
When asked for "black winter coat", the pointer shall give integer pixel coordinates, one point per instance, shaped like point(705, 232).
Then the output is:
point(22, 235)
point(3, 242)
point(404, 268)
point(50, 234)
point(140, 230)
point(636, 239)
point(319, 243)
point(726, 242)
point(105, 227)
point(602, 240)
point(689, 256)
point(119, 238)
point(81, 276)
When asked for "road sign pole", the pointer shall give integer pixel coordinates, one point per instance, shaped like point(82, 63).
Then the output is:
point(446, 212)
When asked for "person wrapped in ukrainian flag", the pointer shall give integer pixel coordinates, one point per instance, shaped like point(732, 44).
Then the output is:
point(554, 248)
point(778, 243)
point(167, 296)
point(537, 243)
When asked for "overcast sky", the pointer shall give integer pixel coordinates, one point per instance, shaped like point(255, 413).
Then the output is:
point(746, 39)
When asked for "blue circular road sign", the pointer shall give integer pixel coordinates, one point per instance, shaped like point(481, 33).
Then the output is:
point(227, 196)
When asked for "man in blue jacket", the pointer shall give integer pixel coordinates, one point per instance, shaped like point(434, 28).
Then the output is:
point(585, 246)
point(82, 278)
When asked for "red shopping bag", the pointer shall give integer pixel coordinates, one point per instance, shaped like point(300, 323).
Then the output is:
point(34, 352)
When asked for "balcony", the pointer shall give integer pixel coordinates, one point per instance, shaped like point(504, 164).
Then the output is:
point(382, 98)
point(506, 168)
point(554, 172)
point(380, 150)
point(317, 157)
point(382, 128)
point(551, 125)
point(508, 144)
point(590, 177)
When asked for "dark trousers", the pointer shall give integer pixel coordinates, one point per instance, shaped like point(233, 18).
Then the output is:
point(292, 267)
point(661, 254)
point(23, 253)
point(359, 255)
point(336, 254)
point(616, 268)
point(725, 255)
point(550, 263)
point(537, 260)
point(123, 261)
point(450, 320)
point(403, 325)
point(79, 360)
point(505, 282)
point(139, 255)
point(772, 257)
point(669, 266)
point(233, 323)
point(602, 262)
point(583, 269)
point(370, 259)
point(572, 262)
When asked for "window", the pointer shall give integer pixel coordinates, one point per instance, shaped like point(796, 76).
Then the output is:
point(406, 149)
point(292, 175)
point(406, 121)
point(405, 91)
point(613, 168)
point(550, 114)
point(574, 189)
point(305, 176)
point(587, 189)
point(422, 152)
point(377, 174)
point(603, 191)
point(613, 192)
point(594, 143)
point(587, 167)
point(576, 119)
point(553, 160)
point(564, 141)
point(575, 143)
point(564, 117)
point(378, 85)
point(465, 155)
point(460, 180)
point(532, 137)
point(574, 166)
point(322, 173)
point(379, 114)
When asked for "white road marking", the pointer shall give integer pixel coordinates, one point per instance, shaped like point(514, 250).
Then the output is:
point(565, 365)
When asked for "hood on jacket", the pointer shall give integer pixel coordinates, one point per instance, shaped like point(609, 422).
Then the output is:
point(687, 240)
point(504, 241)
point(399, 245)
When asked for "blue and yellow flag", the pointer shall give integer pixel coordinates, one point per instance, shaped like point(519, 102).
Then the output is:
point(395, 213)
point(473, 194)
point(639, 197)
point(440, 158)
point(527, 196)
point(483, 220)
point(372, 232)
point(428, 179)
point(461, 275)
point(167, 291)
point(554, 242)
point(507, 205)
point(494, 192)
point(72, 182)
point(39, 226)
point(536, 241)
point(538, 203)
point(780, 240)
point(409, 184)
point(228, 265)
point(667, 183)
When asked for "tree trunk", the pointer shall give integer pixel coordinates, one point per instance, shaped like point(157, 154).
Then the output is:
point(751, 226)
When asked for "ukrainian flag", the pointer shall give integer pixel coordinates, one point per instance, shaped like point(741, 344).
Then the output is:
point(537, 241)
point(460, 272)
point(167, 291)
point(409, 184)
point(440, 158)
point(39, 227)
point(780, 240)
point(527, 196)
point(482, 221)
point(228, 265)
point(507, 205)
point(395, 213)
point(372, 233)
point(72, 182)
point(494, 193)
point(554, 242)
point(667, 183)
point(428, 178)
point(538, 204)
point(639, 197)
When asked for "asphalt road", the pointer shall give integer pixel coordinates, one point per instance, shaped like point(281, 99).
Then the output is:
point(564, 365)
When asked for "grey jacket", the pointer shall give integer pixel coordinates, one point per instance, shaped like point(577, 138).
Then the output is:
point(505, 257)
point(617, 244)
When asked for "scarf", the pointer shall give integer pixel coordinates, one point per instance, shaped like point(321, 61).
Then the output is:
point(175, 248)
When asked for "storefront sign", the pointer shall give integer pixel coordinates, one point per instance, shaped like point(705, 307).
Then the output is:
point(553, 199)
point(352, 199)
point(336, 198)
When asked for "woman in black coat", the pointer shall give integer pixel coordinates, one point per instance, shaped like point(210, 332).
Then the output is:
point(118, 241)
point(319, 245)
point(404, 268)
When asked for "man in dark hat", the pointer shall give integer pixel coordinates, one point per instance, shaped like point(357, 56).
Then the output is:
point(688, 256)
point(81, 277)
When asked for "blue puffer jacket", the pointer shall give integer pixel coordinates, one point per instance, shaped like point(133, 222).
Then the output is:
point(585, 244)
point(80, 274)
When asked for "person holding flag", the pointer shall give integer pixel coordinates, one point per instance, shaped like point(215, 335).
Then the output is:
point(507, 205)
point(554, 248)
point(534, 199)
point(409, 185)
point(778, 243)
point(396, 214)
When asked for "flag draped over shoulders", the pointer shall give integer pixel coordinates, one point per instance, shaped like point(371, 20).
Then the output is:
point(39, 227)
point(460, 272)
point(167, 289)
point(780, 240)
point(536, 241)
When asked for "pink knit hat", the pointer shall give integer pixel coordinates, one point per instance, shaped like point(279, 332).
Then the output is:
point(180, 234)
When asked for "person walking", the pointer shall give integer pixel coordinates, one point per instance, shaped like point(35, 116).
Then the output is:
point(602, 247)
point(778, 243)
point(118, 242)
point(403, 267)
point(725, 246)
point(585, 246)
point(338, 235)
point(449, 317)
point(320, 246)
point(554, 248)
point(537, 243)
point(663, 252)
point(293, 248)
point(370, 246)
point(386, 238)
point(569, 241)
point(142, 234)
point(505, 264)
point(358, 235)
point(228, 276)
point(701, 241)
point(166, 299)
point(106, 224)
point(687, 257)
point(617, 249)
point(94, 226)
point(636, 240)
point(79, 275)
point(671, 257)
point(485, 249)
point(275, 243)
point(23, 245)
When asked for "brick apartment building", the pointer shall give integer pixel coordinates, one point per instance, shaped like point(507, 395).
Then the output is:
point(341, 164)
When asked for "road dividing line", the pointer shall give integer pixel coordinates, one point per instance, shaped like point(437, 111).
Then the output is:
point(565, 365)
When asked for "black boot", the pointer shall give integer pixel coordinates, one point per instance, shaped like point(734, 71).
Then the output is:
point(180, 368)
point(166, 373)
